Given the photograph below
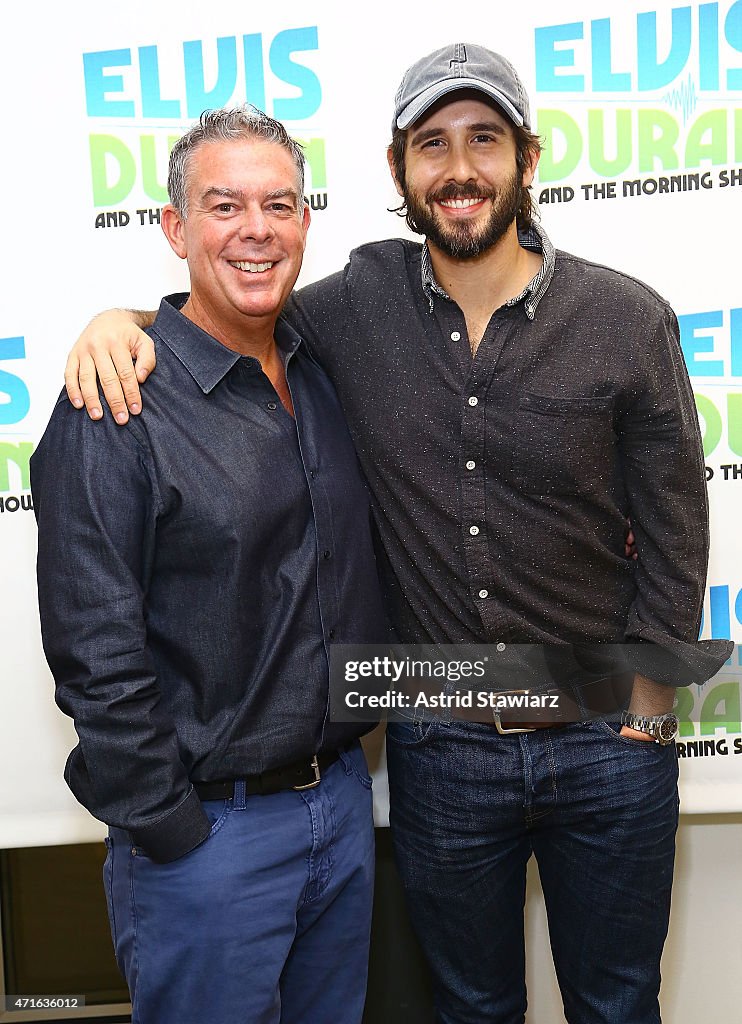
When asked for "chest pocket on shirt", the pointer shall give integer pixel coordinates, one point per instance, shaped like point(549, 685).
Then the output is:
point(562, 445)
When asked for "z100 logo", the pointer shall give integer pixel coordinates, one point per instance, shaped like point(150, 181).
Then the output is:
point(676, 59)
point(15, 403)
point(123, 85)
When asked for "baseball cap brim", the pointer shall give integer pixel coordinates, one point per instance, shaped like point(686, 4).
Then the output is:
point(431, 95)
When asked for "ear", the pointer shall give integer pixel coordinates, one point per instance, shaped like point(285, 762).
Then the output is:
point(390, 161)
point(531, 165)
point(173, 225)
point(306, 218)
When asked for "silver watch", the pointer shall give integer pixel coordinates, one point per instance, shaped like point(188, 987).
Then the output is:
point(662, 728)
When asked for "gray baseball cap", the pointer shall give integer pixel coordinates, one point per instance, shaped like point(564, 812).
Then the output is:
point(460, 66)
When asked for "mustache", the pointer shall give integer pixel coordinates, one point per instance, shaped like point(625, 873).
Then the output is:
point(454, 191)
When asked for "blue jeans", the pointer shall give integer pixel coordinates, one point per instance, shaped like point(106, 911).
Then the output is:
point(267, 920)
point(599, 811)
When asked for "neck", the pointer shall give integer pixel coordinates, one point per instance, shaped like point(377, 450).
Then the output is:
point(250, 336)
point(485, 282)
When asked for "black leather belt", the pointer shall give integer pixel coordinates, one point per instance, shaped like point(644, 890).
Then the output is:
point(300, 775)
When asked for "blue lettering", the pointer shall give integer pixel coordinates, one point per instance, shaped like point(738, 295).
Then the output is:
point(720, 618)
point(548, 58)
point(605, 79)
point(153, 105)
point(735, 332)
point(198, 97)
point(708, 45)
point(733, 33)
point(19, 402)
point(98, 84)
point(653, 74)
point(286, 43)
point(692, 343)
point(252, 47)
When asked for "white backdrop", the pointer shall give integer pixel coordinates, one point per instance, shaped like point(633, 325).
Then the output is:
point(632, 104)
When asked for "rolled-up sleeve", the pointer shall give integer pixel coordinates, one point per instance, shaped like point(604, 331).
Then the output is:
point(663, 471)
point(96, 501)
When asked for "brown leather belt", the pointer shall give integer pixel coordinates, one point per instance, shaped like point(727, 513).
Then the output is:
point(601, 696)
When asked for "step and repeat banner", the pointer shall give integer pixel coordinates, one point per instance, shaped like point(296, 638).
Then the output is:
point(640, 109)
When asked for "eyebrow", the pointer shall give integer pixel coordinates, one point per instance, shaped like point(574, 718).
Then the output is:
point(479, 126)
point(231, 193)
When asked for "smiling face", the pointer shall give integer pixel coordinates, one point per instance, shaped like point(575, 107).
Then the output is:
point(243, 237)
point(461, 184)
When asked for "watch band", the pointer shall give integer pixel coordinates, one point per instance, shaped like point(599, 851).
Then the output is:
point(662, 728)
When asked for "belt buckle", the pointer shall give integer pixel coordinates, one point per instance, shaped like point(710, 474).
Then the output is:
point(503, 731)
point(317, 777)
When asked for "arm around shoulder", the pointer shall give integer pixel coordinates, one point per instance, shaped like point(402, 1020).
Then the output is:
point(114, 350)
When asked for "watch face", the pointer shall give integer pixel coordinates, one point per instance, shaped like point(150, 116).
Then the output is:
point(668, 728)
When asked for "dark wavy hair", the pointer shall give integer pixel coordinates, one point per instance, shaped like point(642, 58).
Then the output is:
point(527, 145)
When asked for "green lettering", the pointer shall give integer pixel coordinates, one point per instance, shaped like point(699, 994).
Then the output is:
point(683, 708)
point(19, 454)
point(561, 135)
point(711, 425)
point(103, 149)
point(734, 424)
point(152, 187)
point(712, 124)
point(599, 162)
point(314, 153)
point(657, 136)
point(727, 697)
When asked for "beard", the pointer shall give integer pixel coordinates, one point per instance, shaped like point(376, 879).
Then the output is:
point(464, 241)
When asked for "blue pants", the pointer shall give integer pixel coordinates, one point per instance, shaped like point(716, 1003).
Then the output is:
point(268, 920)
point(598, 811)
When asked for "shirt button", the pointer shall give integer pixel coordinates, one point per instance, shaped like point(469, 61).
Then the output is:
point(471, 464)
point(501, 647)
point(326, 554)
point(455, 335)
point(484, 593)
point(272, 406)
point(473, 400)
point(312, 473)
point(331, 635)
point(473, 530)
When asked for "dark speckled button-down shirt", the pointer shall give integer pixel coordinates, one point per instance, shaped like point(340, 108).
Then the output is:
point(503, 484)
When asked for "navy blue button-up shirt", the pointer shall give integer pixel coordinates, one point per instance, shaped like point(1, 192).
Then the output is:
point(193, 568)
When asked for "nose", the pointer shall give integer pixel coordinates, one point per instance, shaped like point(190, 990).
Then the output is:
point(254, 225)
point(460, 166)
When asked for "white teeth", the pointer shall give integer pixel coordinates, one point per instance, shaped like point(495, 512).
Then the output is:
point(253, 268)
point(459, 204)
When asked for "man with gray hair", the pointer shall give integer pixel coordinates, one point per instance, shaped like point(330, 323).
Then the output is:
point(513, 408)
point(193, 570)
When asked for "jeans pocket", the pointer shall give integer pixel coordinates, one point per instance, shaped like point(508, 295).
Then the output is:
point(217, 811)
point(354, 762)
point(613, 730)
point(412, 733)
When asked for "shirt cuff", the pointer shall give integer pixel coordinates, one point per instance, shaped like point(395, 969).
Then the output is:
point(177, 833)
point(665, 659)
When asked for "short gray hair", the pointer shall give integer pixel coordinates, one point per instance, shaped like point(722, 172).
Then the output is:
point(246, 122)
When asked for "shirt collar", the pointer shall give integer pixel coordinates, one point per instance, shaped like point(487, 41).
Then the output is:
point(533, 238)
point(205, 358)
